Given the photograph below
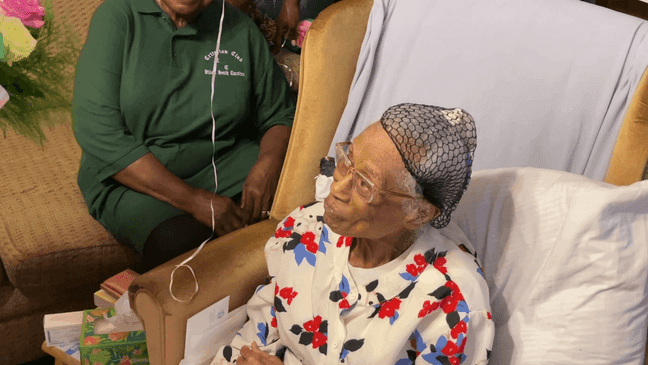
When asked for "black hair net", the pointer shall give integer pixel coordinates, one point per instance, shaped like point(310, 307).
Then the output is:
point(437, 146)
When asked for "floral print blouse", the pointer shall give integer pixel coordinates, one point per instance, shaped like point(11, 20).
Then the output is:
point(431, 308)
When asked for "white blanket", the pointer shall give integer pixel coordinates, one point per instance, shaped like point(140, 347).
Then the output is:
point(547, 81)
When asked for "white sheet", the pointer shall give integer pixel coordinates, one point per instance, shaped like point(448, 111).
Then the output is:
point(547, 81)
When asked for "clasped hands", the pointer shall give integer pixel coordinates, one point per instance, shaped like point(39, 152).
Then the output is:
point(258, 193)
point(254, 356)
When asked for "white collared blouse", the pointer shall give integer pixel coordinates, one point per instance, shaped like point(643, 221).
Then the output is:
point(428, 306)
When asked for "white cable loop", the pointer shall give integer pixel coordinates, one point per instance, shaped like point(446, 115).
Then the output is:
point(211, 202)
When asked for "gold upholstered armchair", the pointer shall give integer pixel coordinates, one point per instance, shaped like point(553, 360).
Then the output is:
point(234, 265)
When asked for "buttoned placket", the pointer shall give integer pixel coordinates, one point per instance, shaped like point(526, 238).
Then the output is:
point(338, 333)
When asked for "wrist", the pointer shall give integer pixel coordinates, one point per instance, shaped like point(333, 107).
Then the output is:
point(271, 160)
point(186, 200)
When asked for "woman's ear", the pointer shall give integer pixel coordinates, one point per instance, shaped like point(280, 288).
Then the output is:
point(423, 214)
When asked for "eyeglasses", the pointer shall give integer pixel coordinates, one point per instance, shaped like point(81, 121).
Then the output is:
point(364, 187)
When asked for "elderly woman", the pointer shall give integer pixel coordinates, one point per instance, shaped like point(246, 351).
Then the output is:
point(149, 119)
point(366, 277)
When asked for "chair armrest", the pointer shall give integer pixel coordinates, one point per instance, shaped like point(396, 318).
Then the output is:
point(232, 265)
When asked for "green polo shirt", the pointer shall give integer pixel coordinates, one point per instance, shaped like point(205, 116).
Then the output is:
point(144, 86)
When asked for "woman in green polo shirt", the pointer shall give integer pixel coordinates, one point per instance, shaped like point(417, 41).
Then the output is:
point(142, 116)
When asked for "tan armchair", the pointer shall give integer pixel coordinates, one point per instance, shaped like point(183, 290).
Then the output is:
point(234, 264)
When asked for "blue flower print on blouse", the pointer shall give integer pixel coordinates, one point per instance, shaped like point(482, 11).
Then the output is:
point(446, 351)
point(339, 296)
point(418, 346)
point(263, 333)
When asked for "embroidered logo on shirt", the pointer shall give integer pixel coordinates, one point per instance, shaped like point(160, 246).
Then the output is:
point(228, 57)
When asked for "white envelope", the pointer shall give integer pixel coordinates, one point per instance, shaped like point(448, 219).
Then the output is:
point(210, 330)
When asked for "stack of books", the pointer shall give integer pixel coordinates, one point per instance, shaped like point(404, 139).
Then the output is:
point(113, 288)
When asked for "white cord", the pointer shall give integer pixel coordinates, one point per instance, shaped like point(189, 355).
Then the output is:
point(211, 202)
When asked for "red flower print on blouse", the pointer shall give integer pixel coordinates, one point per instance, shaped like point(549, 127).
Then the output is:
point(346, 241)
point(286, 230)
point(319, 339)
point(287, 293)
point(388, 308)
point(420, 260)
point(344, 304)
point(439, 265)
point(449, 303)
point(313, 325)
point(273, 323)
point(308, 240)
point(428, 307)
point(450, 349)
point(415, 269)
point(489, 315)
point(458, 329)
point(313, 333)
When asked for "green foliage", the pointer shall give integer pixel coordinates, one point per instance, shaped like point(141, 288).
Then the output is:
point(40, 86)
point(101, 356)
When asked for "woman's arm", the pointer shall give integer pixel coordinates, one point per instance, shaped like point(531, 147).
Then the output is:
point(149, 176)
point(275, 111)
point(261, 182)
point(261, 328)
point(286, 23)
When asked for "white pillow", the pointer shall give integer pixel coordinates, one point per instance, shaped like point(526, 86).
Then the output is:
point(566, 260)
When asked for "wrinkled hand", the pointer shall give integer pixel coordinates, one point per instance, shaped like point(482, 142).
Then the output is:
point(286, 24)
point(227, 215)
point(254, 356)
point(259, 189)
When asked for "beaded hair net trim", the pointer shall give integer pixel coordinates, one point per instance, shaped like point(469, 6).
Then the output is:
point(437, 147)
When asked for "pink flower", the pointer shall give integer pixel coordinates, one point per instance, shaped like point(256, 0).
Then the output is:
point(30, 12)
point(302, 28)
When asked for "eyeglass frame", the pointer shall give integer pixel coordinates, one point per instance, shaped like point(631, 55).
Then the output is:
point(339, 150)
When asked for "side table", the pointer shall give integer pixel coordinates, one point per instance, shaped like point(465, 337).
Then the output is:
point(61, 358)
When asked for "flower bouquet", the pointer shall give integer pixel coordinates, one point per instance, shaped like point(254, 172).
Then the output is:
point(37, 59)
